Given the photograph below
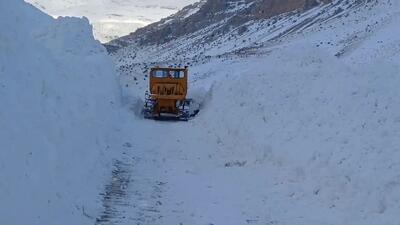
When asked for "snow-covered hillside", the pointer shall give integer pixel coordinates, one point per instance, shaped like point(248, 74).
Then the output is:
point(299, 123)
point(113, 18)
point(58, 116)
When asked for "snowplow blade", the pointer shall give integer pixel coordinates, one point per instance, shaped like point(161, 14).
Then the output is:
point(186, 111)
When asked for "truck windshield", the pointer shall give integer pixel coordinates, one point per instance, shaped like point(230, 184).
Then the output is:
point(168, 73)
point(160, 73)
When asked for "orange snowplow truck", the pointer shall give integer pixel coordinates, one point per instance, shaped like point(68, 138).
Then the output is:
point(166, 97)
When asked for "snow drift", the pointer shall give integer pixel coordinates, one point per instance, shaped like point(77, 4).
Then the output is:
point(58, 97)
point(318, 137)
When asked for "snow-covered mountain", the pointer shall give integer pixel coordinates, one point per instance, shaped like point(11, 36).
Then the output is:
point(223, 16)
point(299, 121)
point(222, 35)
point(113, 18)
point(59, 111)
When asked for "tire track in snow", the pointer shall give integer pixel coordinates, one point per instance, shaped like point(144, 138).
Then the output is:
point(115, 196)
point(132, 197)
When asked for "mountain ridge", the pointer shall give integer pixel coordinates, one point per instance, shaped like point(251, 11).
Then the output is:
point(233, 13)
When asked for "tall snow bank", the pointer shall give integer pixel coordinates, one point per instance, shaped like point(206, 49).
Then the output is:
point(321, 136)
point(58, 98)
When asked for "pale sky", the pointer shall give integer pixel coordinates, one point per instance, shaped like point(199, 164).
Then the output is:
point(113, 18)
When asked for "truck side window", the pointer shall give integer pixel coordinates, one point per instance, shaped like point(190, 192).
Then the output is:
point(179, 74)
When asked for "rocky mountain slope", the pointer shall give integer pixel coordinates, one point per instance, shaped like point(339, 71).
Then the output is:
point(230, 14)
point(221, 37)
